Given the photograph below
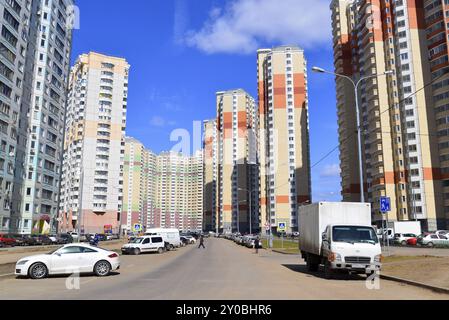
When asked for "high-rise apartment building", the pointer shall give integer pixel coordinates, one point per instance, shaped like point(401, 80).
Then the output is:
point(163, 190)
point(237, 182)
point(285, 178)
point(139, 182)
point(211, 219)
point(35, 53)
point(92, 175)
point(179, 200)
point(402, 146)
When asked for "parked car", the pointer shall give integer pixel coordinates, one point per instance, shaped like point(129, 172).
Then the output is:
point(75, 236)
point(67, 237)
point(433, 240)
point(191, 239)
point(252, 242)
point(401, 238)
point(29, 240)
point(184, 241)
point(115, 237)
point(7, 241)
point(20, 239)
point(102, 237)
point(412, 241)
point(70, 258)
point(46, 241)
point(37, 239)
point(57, 239)
point(144, 244)
point(442, 233)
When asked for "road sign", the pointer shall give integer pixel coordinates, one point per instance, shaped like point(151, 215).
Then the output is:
point(282, 226)
point(385, 204)
point(137, 227)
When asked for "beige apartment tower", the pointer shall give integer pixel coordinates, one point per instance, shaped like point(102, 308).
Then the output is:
point(92, 175)
point(161, 191)
point(399, 112)
point(237, 173)
point(285, 179)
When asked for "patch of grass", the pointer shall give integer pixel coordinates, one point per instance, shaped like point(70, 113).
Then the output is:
point(406, 258)
point(278, 244)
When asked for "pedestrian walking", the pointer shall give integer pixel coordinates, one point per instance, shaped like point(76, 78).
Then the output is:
point(201, 242)
point(257, 245)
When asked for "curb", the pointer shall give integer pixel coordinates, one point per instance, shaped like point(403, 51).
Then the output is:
point(416, 284)
point(286, 253)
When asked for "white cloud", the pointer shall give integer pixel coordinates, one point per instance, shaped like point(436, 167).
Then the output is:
point(157, 121)
point(330, 171)
point(160, 122)
point(244, 25)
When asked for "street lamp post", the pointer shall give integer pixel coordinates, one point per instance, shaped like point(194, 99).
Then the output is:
point(359, 129)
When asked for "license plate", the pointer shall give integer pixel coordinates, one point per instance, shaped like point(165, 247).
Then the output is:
point(358, 266)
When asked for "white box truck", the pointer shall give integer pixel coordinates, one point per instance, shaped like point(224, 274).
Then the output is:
point(171, 236)
point(398, 228)
point(339, 235)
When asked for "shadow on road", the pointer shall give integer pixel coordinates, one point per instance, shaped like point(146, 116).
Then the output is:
point(336, 276)
point(62, 276)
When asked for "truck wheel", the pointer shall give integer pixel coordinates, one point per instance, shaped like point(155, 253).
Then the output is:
point(312, 266)
point(328, 274)
point(160, 250)
point(136, 252)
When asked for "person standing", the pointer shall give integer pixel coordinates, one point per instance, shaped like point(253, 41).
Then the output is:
point(201, 242)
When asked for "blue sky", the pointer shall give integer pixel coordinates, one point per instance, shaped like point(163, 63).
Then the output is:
point(183, 51)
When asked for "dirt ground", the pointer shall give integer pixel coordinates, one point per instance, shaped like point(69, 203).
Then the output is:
point(425, 269)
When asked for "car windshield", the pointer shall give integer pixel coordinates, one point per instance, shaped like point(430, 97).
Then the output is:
point(53, 251)
point(137, 240)
point(354, 234)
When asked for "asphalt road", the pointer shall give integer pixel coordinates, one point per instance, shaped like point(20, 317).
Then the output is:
point(223, 271)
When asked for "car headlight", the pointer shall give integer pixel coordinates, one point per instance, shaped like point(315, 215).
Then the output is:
point(334, 257)
point(22, 262)
point(378, 258)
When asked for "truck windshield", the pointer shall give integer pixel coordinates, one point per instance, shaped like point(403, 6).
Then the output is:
point(354, 234)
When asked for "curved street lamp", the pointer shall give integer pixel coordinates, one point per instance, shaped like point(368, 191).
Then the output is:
point(359, 129)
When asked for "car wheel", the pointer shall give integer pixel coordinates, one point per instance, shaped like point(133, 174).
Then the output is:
point(136, 252)
point(404, 243)
point(430, 244)
point(160, 250)
point(38, 271)
point(102, 268)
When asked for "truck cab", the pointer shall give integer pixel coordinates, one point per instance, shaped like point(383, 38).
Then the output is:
point(353, 248)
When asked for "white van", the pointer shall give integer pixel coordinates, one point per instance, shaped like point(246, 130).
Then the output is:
point(169, 235)
point(144, 244)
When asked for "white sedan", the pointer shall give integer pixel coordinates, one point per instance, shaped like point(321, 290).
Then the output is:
point(69, 259)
